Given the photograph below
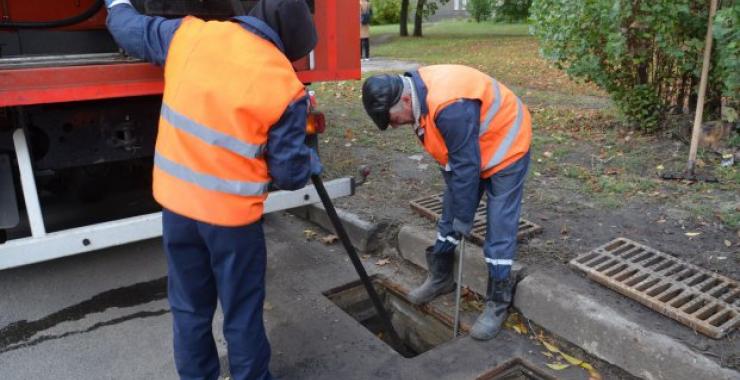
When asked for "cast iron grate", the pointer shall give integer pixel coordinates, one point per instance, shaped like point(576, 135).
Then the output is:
point(706, 302)
point(431, 208)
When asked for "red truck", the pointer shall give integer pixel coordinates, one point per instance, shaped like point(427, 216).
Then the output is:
point(78, 122)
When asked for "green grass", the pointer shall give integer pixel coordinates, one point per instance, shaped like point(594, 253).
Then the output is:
point(456, 29)
point(587, 152)
point(505, 51)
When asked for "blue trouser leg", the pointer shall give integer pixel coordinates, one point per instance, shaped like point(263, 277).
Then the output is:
point(207, 262)
point(504, 191)
point(447, 239)
point(238, 259)
point(192, 295)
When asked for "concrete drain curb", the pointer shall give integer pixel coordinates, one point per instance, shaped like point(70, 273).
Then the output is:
point(412, 242)
point(365, 236)
point(605, 332)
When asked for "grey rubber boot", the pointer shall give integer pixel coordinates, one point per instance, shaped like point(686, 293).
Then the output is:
point(439, 280)
point(498, 299)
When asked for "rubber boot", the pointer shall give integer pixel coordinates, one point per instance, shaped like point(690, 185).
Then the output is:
point(439, 280)
point(498, 299)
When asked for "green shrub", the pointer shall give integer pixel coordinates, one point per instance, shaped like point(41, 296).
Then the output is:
point(385, 11)
point(727, 66)
point(645, 54)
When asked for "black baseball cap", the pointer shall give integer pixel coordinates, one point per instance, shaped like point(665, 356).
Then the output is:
point(379, 94)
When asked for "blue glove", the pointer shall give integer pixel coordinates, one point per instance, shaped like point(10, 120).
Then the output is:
point(111, 3)
point(316, 167)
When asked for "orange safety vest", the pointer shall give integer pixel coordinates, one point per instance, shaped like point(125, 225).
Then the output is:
point(505, 124)
point(224, 88)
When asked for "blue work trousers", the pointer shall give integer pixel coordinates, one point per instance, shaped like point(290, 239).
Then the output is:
point(504, 191)
point(207, 263)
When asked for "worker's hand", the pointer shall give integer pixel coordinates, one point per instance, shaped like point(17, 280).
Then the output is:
point(316, 167)
point(110, 3)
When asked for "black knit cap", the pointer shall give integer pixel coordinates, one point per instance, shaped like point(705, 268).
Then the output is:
point(292, 21)
point(379, 94)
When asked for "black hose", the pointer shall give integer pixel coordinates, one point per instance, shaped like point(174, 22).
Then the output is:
point(94, 9)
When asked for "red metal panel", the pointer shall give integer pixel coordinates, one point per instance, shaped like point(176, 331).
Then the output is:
point(337, 57)
point(46, 10)
point(74, 83)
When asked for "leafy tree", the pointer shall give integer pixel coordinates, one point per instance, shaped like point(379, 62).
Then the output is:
point(512, 10)
point(425, 9)
point(404, 28)
point(480, 10)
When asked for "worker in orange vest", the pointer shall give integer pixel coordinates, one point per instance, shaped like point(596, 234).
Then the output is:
point(480, 133)
point(233, 120)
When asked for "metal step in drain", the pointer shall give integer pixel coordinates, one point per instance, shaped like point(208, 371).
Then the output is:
point(706, 302)
point(431, 208)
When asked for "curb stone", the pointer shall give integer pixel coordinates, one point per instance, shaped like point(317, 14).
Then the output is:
point(579, 317)
point(363, 234)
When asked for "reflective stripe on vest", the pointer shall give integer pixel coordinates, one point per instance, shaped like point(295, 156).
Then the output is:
point(209, 182)
point(210, 136)
point(493, 110)
point(509, 139)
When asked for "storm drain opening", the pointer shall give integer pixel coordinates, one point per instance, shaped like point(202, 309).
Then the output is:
point(431, 208)
point(703, 300)
point(515, 369)
point(419, 330)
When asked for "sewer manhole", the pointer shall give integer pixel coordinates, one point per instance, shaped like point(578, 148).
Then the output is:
point(419, 331)
point(515, 369)
point(703, 300)
point(431, 208)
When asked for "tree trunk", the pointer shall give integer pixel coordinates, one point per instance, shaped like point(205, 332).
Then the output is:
point(404, 28)
point(419, 17)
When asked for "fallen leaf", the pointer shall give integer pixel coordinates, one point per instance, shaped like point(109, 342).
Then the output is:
point(547, 154)
point(549, 346)
point(728, 243)
point(558, 366)
point(547, 353)
point(382, 262)
point(587, 366)
point(309, 234)
point(329, 239)
point(592, 373)
point(267, 306)
point(570, 359)
point(692, 234)
point(659, 167)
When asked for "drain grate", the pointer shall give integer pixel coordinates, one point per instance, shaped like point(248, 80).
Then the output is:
point(431, 208)
point(706, 302)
